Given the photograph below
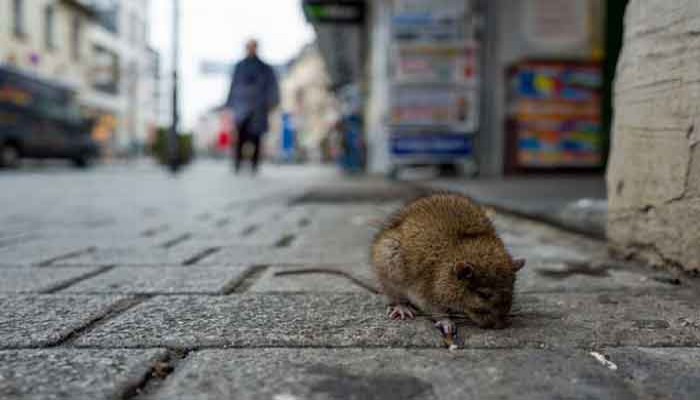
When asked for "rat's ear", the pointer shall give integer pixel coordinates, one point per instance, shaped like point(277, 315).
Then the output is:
point(463, 270)
point(518, 264)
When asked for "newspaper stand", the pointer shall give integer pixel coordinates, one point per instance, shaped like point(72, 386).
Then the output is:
point(434, 84)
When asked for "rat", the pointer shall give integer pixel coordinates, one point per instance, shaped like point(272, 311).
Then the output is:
point(442, 255)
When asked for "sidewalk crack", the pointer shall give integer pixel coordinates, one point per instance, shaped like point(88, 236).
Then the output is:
point(116, 309)
point(159, 372)
point(201, 255)
point(81, 278)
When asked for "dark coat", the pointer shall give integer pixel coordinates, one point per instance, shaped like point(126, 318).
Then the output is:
point(254, 93)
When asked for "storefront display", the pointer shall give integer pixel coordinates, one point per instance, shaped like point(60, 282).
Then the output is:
point(434, 109)
point(554, 115)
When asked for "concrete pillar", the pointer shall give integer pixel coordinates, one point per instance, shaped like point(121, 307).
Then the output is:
point(654, 169)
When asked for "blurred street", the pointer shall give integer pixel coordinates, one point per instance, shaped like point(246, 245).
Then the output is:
point(135, 284)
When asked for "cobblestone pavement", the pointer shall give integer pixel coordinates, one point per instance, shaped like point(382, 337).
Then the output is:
point(124, 283)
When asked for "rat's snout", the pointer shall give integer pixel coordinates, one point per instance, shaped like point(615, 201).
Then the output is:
point(489, 319)
point(494, 323)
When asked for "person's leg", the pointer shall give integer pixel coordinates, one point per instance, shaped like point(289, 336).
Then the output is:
point(240, 142)
point(255, 141)
point(238, 151)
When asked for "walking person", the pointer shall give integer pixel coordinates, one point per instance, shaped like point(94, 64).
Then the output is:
point(254, 93)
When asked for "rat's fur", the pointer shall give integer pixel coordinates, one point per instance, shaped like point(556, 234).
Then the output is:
point(441, 254)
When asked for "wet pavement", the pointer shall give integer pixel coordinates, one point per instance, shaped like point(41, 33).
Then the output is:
point(123, 282)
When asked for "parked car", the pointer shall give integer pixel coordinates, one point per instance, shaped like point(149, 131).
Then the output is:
point(39, 119)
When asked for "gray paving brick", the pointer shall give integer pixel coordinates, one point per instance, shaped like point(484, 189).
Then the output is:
point(250, 255)
point(40, 320)
point(313, 282)
point(660, 373)
point(33, 279)
point(394, 374)
point(136, 256)
point(37, 252)
point(570, 319)
point(546, 253)
point(73, 374)
point(296, 254)
point(259, 321)
point(562, 277)
point(163, 279)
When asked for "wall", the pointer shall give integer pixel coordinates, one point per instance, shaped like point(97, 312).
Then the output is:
point(654, 169)
point(134, 105)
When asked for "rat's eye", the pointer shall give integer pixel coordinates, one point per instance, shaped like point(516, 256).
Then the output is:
point(485, 295)
point(463, 270)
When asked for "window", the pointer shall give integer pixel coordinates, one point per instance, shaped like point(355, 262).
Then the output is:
point(106, 74)
point(75, 37)
point(18, 26)
point(108, 14)
point(49, 27)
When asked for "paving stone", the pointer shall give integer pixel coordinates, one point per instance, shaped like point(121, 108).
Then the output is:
point(294, 255)
point(40, 320)
point(9, 239)
point(369, 190)
point(129, 236)
point(670, 373)
point(394, 374)
point(73, 374)
point(642, 373)
point(313, 282)
point(272, 230)
point(251, 255)
point(164, 279)
point(547, 253)
point(528, 235)
point(136, 256)
point(539, 276)
point(38, 252)
point(570, 319)
point(260, 320)
point(34, 279)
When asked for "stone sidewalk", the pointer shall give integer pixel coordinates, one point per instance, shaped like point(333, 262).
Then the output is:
point(137, 298)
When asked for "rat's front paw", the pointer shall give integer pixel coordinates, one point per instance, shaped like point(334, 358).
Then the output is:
point(447, 327)
point(401, 311)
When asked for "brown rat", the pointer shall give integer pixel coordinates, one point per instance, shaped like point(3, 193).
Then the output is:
point(442, 254)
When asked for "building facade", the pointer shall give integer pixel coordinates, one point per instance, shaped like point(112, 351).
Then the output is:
point(123, 91)
point(98, 48)
point(47, 38)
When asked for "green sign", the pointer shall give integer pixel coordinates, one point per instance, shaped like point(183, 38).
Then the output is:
point(338, 12)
